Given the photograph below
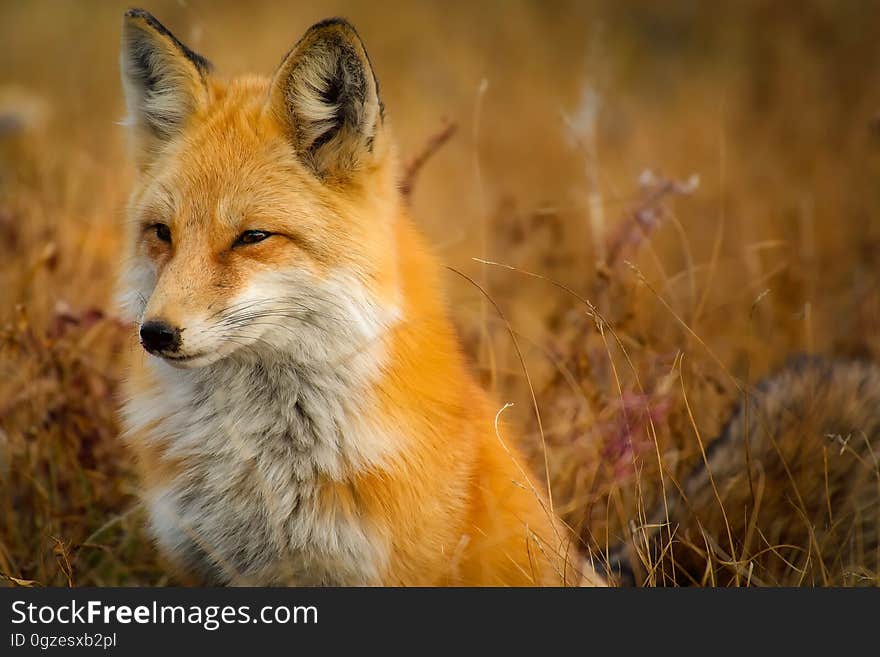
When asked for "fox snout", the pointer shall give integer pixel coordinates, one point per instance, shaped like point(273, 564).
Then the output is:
point(159, 337)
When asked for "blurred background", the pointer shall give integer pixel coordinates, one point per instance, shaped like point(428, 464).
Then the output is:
point(687, 194)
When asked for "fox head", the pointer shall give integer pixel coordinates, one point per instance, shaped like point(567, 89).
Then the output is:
point(263, 210)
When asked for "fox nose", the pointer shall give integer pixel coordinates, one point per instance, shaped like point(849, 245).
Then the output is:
point(157, 335)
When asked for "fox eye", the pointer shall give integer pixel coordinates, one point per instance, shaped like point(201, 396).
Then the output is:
point(163, 232)
point(251, 237)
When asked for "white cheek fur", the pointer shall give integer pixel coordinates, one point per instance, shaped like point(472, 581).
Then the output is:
point(137, 281)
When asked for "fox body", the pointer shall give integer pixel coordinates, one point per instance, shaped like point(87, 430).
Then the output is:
point(788, 494)
point(305, 414)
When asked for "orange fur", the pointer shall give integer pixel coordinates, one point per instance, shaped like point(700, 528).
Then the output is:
point(448, 501)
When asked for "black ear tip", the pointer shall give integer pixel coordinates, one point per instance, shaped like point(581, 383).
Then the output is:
point(337, 22)
point(138, 13)
point(153, 24)
point(333, 21)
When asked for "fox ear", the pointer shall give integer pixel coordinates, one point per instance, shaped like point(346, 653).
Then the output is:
point(327, 98)
point(164, 81)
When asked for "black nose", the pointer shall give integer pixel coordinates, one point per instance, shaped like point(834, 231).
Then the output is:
point(156, 335)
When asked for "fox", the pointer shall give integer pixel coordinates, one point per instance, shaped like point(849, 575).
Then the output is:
point(787, 494)
point(302, 412)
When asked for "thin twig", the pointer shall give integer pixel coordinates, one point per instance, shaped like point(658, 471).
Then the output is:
point(414, 166)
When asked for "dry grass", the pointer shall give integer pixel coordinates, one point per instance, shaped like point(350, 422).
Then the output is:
point(642, 304)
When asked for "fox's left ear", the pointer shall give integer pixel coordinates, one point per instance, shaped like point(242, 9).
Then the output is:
point(165, 82)
point(326, 96)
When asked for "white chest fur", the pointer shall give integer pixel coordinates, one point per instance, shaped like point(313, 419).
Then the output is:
point(256, 439)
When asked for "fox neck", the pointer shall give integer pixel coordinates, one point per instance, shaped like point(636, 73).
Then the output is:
point(244, 407)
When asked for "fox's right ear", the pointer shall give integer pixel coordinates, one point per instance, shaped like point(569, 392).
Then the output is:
point(165, 82)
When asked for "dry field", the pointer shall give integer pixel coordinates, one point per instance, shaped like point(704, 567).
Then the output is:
point(677, 197)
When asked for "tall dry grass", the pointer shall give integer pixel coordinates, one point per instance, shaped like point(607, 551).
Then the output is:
point(642, 301)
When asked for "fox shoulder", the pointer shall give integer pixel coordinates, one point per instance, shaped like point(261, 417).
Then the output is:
point(789, 492)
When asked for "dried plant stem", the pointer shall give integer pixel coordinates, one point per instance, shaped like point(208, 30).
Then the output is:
point(414, 166)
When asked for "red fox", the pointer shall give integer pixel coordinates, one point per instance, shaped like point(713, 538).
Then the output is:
point(304, 414)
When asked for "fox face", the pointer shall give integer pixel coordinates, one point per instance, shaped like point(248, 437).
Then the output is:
point(262, 216)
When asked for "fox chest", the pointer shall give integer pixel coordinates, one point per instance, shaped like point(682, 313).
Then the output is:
point(245, 506)
point(244, 536)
